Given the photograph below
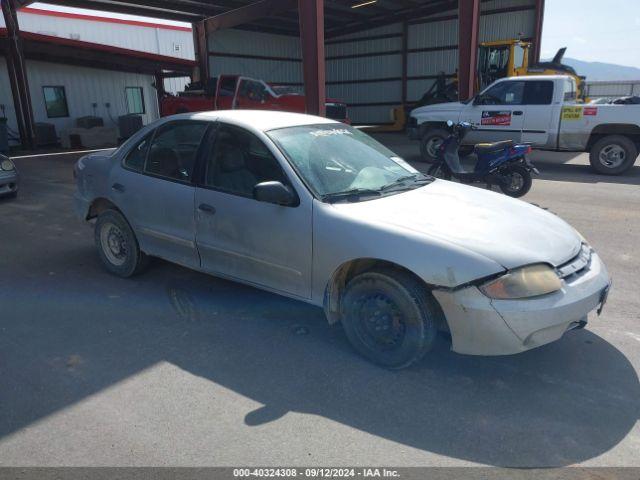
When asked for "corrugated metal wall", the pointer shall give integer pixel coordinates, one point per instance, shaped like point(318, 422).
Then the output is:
point(152, 39)
point(85, 86)
point(432, 48)
point(266, 56)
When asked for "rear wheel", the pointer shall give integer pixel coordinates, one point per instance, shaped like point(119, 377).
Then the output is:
point(430, 144)
point(516, 181)
point(389, 317)
point(117, 245)
point(613, 155)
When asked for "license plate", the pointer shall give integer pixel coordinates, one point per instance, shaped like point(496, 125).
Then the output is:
point(603, 298)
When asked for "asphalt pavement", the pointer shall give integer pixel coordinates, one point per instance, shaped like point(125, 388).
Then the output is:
point(177, 368)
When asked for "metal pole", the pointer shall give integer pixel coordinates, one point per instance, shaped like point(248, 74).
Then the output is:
point(469, 25)
point(311, 13)
point(18, 76)
point(537, 39)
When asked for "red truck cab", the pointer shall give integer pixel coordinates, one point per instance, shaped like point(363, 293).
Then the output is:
point(228, 92)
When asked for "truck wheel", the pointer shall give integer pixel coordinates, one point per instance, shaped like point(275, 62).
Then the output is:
point(389, 317)
point(117, 245)
point(430, 144)
point(613, 155)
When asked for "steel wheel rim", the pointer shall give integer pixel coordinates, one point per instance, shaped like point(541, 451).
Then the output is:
point(433, 146)
point(612, 156)
point(113, 244)
point(380, 323)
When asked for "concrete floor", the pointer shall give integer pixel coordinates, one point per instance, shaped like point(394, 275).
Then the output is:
point(179, 368)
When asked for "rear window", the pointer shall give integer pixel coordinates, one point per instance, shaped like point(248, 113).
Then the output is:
point(538, 92)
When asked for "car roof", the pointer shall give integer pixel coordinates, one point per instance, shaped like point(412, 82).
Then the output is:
point(260, 120)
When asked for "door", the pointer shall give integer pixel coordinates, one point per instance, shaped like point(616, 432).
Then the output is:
point(226, 92)
point(256, 242)
point(539, 113)
point(498, 113)
point(155, 191)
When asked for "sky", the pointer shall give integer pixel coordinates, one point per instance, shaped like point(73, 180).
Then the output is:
point(592, 30)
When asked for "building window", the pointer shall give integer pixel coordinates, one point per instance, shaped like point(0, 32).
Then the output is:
point(55, 101)
point(135, 100)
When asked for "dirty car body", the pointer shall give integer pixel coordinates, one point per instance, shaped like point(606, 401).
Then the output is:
point(507, 276)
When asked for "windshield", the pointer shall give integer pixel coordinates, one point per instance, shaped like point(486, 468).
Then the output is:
point(340, 162)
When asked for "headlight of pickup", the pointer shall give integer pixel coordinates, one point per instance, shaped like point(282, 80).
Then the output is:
point(525, 282)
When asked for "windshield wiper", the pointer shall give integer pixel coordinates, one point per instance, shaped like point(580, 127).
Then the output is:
point(401, 182)
point(353, 193)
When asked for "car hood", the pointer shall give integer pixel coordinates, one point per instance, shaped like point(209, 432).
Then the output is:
point(439, 107)
point(510, 232)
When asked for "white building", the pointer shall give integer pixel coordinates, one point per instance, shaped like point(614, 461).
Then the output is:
point(64, 89)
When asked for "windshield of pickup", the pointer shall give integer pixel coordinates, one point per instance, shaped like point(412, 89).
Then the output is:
point(340, 163)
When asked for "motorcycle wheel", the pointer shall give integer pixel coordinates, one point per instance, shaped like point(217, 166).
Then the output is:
point(516, 181)
point(437, 170)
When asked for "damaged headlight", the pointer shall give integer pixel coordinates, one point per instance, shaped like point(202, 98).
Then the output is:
point(524, 282)
point(7, 165)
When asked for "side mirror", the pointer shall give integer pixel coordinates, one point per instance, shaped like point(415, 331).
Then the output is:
point(450, 123)
point(478, 100)
point(276, 193)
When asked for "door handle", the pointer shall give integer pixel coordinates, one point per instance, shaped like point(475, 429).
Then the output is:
point(118, 187)
point(203, 207)
point(518, 113)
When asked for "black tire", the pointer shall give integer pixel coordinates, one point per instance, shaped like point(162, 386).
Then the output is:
point(523, 185)
point(430, 142)
point(396, 300)
point(117, 245)
point(439, 171)
point(613, 155)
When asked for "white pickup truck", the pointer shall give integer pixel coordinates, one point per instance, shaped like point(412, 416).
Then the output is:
point(542, 111)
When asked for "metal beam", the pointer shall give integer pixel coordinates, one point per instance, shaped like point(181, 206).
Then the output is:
point(248, 14)
point(468, 27)
point(201, 44)
point(537, 36)
point(405, 60)
point(18, 76)
point(312, 41)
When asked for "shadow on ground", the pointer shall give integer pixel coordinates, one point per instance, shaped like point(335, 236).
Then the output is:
point(69, 330)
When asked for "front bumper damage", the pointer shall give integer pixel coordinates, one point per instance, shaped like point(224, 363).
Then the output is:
point(483, 326)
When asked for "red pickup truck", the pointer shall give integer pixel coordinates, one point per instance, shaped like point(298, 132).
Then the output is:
point(228, 92)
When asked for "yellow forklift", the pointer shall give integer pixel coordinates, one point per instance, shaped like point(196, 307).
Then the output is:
point(510, 58)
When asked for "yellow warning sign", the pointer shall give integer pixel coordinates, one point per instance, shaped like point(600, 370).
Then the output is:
point(571, 113)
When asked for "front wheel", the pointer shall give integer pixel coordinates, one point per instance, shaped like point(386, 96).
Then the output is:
point(516, 181)
point(430, 144)
point(389, 317)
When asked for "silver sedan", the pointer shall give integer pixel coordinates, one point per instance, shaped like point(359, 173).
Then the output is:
point(316, 210)
point(9, 178)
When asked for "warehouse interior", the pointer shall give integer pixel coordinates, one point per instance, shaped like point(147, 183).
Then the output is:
point(372, 55)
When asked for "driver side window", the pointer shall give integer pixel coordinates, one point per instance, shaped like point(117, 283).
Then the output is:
point(505, 93)
point(174, 148)
point(239, 161)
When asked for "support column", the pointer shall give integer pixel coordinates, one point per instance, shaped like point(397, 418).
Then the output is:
point(311, 13)
point(405, 60)
point(18, 76)
point(537, 38)
point(200, 39)
point(468, 28)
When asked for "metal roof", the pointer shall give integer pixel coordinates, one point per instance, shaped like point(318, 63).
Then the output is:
point(341, 16)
